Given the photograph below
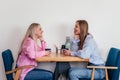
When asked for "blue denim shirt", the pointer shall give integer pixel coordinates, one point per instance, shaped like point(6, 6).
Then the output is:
point(89, 50)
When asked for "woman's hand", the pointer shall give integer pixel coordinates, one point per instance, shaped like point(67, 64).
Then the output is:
point(47, 53)
point(40, 38)
point(76, 36)
point(67, 52)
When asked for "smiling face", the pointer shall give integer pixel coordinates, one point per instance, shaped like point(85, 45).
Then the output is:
point(38, 31)
point(77, 29)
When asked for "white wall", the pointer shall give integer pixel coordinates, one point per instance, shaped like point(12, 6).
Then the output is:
point(57, 18)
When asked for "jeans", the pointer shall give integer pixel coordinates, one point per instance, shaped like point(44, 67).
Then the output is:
point(76, 73)
point(39, 74)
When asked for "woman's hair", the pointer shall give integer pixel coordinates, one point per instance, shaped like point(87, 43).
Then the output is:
point(83, 32)
point(30, 33)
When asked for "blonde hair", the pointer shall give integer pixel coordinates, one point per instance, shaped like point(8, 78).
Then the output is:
point(30, 33)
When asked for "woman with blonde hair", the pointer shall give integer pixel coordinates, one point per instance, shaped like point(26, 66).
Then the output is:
point(84, 46)
point(29, 50)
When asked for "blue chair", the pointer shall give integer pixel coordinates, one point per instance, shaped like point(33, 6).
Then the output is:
point(113, 62)
point(8, 63)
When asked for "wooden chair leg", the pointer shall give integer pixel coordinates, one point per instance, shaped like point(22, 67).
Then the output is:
point(93, 71)
point(17, 75)
point(106, 73)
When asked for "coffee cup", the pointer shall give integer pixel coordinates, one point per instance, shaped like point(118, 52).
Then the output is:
point(48, 49)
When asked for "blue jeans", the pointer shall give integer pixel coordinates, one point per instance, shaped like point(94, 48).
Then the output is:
point(39, 74)
point(81, 73)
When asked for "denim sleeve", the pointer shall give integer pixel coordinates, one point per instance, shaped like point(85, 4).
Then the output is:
point(86, 51)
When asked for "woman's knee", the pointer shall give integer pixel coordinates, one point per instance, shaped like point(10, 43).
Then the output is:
point(50, 75)
point(78, 72)
point(41, 73)
point(72, 73)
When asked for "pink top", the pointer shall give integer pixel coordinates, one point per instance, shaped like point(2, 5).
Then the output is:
point(29, 52)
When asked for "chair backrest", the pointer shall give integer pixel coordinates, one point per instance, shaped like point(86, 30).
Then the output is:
point(8, 62)
point(113, 59)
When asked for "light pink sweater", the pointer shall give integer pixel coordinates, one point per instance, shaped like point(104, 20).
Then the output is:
point(29, 52)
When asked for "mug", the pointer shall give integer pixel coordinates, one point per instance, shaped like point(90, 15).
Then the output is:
point(48, 49)
point(62, 49)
